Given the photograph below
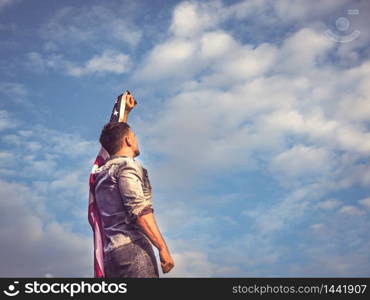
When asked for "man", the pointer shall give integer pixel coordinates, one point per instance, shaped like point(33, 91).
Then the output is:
point(124, 197)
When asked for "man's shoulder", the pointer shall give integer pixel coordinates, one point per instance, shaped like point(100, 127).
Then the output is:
point(112, 165)
point(114, 168)
point(129, 164)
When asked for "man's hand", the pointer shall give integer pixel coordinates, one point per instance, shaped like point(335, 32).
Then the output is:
point(167, 262)
point(130, 102)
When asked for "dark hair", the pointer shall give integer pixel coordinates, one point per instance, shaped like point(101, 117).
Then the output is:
point(112, 134)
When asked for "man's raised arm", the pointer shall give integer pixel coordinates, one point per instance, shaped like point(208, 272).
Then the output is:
point(130, 104)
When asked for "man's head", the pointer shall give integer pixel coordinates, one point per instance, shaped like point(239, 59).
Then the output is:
point(118, 138)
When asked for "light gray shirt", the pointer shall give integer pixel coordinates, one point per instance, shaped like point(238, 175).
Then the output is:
point(122, 192)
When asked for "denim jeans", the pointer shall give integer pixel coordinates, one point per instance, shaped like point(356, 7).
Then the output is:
point(133, 260)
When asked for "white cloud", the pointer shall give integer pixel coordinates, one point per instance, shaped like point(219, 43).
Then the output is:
point(91, 25)
point(172, 58)
point(69, 184)
point(329, 204)
point(317, 249)
point(192, 18)
point(302, 161)
point(323, 248)
point(39, 154)
point(354, 105)
point(52, 170)
point(15, 90)
point(11, 139)
point(41, 245)
point(38, 140)
point(303, 50)
point(90, 28)
point(216, 52)
point(40, 63)
point(274, 110)
point(351, 210)
point(337, 133)
point(191, 264)
point(196, 44)
point(5, 155)
point(216, 44)
point(108, 62)
point(193, 259)
point(284, 211)
point(284, 11)
point(69, 144)
point(237, 106)
point(365, 202)
point(298, 10)
point(6, 121)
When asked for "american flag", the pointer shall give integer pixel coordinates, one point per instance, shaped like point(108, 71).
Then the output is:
point(93, 212)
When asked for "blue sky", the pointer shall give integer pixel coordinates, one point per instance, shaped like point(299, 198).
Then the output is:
point(252, 118)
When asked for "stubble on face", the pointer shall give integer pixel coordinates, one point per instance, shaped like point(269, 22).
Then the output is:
point(136, 150)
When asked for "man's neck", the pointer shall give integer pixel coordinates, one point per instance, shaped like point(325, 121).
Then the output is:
point(124, 153)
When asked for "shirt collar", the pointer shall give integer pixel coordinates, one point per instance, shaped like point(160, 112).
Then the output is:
point(117, 156)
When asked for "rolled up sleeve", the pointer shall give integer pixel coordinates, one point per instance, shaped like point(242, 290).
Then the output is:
point(130, 186)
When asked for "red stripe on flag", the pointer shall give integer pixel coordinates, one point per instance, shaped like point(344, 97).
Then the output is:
point(94, 217)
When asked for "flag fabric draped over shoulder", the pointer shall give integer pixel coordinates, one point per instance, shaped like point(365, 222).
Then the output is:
point(93, 212)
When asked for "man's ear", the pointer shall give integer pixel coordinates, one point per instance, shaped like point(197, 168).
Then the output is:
point(127, 140)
